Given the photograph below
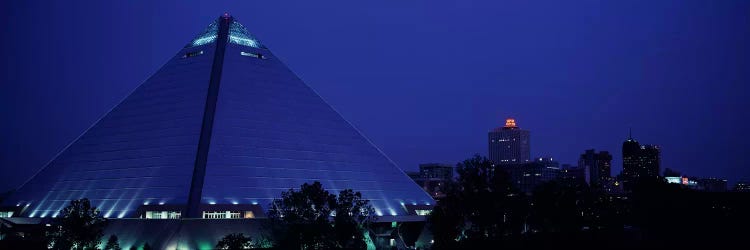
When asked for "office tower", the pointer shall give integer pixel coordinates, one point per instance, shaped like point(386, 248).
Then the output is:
point(527, 176)
point(599, 167)
point(640, 161)
point(572, 175)
point(433, 178)
point(509, 144)
point(436, 170)
point(713, 184)
point(742, 186)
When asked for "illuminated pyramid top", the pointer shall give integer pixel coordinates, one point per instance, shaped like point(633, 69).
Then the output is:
point(238, 34)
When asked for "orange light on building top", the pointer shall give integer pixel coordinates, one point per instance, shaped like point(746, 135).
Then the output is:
point(510, 123)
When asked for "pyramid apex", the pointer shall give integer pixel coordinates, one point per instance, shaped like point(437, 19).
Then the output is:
point(238, 34)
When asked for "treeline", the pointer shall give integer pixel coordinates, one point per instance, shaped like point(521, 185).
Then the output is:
point(483, 210)
point(307, 218)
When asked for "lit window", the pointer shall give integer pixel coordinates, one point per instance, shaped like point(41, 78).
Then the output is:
point(163, 214)
point(192, 54)
point(221, 214)
point(249, 215)
point(422, 212)
point(256, 55)
point(153, 215)
point(6, 214)
point(239, 35)
point(208, 36)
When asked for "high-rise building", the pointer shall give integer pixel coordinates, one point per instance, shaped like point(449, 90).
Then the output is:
point(220, 131)
point(433, 178)
point(713, 184)
point(650, 159)
point(640, 161)
point(599, 167)
point(689, 182)
point(436, 170)
point(527, 176)
point(572, 175)
point(509, 144)
point(742, 186)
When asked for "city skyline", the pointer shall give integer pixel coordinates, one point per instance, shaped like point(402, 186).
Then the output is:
point(587, 76)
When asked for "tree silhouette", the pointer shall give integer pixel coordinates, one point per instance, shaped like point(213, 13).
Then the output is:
point(301, 219)
point(112, 243)
point(235, 242)
point(480, 208)
point(79, 226)
point(354, 216)
point(558, 208)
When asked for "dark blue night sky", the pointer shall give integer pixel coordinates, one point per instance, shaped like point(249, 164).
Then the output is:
point(424, 80)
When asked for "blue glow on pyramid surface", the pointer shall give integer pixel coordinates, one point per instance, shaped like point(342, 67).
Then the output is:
point(238, 34)
point(271, 133)
point(204, 40)
point(209, 35)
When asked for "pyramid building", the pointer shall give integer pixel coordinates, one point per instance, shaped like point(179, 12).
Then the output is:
point(223, 123)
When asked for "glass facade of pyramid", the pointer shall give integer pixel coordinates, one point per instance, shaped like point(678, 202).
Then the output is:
point(223, 123)
point(237, 35)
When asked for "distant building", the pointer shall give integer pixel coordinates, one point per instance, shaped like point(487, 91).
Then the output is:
point(526, 177)
point(742, 186)
point(713, 184)
point(683, 180)
point(570, 175)
point(433, 178)
point(639, 161)
point(668, 172)
point(650, 160)
point(436, 170)
point(509, 144)
point(599, 166)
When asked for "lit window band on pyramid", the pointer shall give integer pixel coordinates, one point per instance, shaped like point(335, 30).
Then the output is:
point(237, 35)
point(222, 123)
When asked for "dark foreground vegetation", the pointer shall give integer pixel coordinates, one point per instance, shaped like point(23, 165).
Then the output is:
point(483, 211)
point(300, 219)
